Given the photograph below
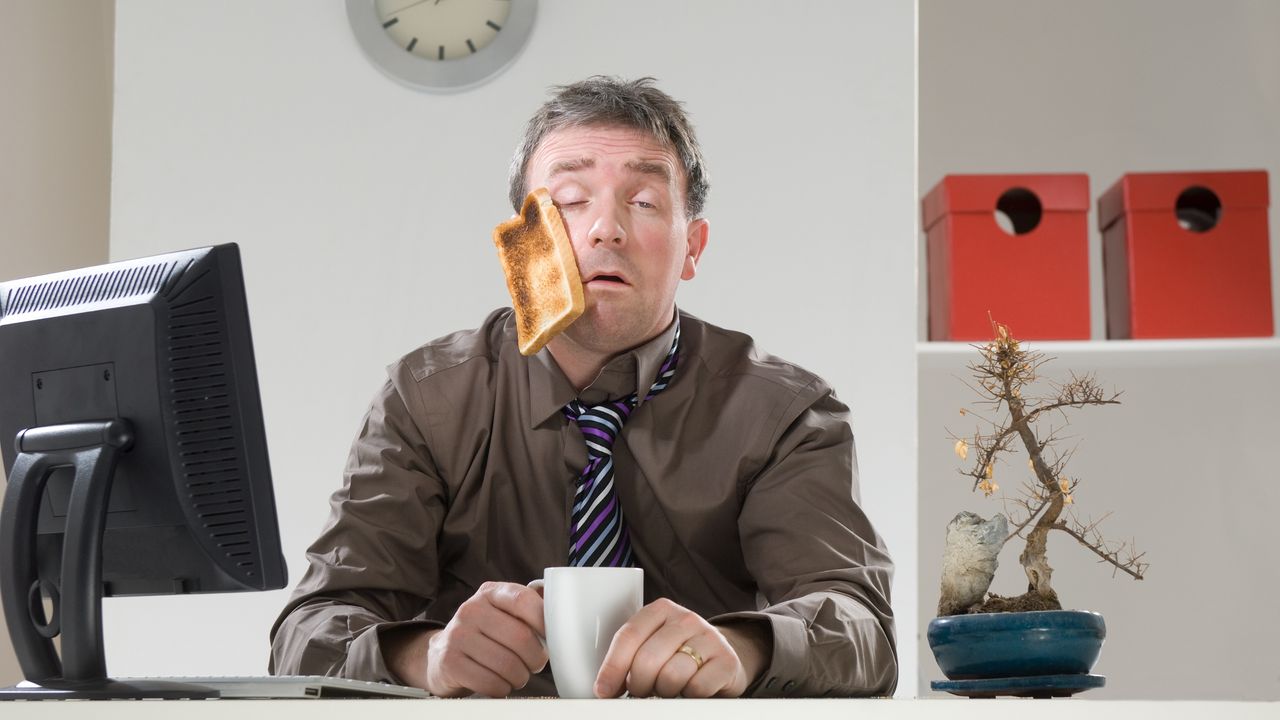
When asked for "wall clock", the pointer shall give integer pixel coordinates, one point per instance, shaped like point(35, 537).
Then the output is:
point(442, 45)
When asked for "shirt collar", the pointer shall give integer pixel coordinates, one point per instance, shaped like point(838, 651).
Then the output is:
point(632, 371)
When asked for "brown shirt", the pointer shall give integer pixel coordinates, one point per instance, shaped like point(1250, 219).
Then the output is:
point(738, 484)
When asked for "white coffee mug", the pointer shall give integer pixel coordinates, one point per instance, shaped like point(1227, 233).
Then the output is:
point(583, 607)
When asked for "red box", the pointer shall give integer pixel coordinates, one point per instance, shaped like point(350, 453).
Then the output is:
point(1187, 255)
point(1033, 276)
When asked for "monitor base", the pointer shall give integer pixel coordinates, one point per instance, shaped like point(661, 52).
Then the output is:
point(108, 690)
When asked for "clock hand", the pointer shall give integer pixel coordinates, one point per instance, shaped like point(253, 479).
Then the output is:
point(406, 7)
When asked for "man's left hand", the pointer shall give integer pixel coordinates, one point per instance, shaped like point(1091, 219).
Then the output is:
point(645, 657)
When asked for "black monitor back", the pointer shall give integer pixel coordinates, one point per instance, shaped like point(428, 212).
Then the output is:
point(163, 342)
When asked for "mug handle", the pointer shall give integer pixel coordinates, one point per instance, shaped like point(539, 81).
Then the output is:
point(537, 585)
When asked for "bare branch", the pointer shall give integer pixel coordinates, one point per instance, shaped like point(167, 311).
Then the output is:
point(1132, 565)
point(1031, 515)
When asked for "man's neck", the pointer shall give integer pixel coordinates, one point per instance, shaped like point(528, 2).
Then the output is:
point(582, 364)
point(579, 364)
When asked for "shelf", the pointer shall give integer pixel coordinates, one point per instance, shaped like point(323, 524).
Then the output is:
point(1208, 351)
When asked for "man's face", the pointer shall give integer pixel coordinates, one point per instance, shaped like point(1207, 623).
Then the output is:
point(621, 194)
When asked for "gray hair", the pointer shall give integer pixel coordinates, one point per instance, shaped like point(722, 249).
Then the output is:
point(612, 101)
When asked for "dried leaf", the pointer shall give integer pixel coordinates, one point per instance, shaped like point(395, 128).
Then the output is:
point(990, 470)
point(962, 449)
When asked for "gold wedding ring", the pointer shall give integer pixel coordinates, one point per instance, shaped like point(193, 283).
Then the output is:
point(697, 659)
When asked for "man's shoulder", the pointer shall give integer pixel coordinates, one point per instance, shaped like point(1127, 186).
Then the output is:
point(735, 356)
point(478, 347)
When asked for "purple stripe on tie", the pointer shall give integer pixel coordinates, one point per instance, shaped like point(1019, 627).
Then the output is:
point(602, 471)
point(613, 502)
point(587, 480)
point(624, 542)
point(593, 479)
point(607, 538)
point(597, 433)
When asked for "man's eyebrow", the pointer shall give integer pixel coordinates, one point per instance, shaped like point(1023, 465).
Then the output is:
point(564, 166)
point(649, 167)
point(644, 167)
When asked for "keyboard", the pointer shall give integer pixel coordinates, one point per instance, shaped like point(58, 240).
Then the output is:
point(294, 686)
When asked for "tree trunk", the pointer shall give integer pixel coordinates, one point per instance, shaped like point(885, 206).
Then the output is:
point(1033, 557)
point(1039, 574)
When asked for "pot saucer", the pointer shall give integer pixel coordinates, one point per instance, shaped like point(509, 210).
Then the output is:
point(1034, 686)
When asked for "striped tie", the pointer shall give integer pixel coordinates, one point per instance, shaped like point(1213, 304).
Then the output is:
point(598, 533)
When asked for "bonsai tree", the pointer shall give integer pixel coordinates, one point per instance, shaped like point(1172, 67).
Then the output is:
point(1004, 377)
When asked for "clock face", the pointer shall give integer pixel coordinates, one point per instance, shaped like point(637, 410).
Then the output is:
point(443, 29)
point(441, 45)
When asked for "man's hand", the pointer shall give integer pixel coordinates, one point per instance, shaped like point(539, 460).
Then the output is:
point(490, 647)
point(645, 657)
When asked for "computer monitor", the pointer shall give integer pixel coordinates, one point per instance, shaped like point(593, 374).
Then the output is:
point(136, 456)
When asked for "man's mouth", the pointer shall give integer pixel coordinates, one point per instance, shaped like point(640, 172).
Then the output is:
point(606, 278)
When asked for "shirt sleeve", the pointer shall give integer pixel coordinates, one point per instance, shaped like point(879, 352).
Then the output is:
point(819, 564)
point(374, 567)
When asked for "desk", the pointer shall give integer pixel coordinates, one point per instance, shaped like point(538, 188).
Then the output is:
point(940, 709)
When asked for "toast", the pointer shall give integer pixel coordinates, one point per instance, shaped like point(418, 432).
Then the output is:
point(541, 270)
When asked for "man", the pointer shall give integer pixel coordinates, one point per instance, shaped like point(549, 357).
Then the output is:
point(731, 481)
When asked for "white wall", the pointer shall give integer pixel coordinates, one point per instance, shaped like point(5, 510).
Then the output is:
point(55, 141)
point(364, 210)
point(1185, 463)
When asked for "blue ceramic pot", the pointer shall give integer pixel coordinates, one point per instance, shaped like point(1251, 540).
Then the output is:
point(1017, 644)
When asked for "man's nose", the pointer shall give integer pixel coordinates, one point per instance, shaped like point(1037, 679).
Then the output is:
point(607, 227)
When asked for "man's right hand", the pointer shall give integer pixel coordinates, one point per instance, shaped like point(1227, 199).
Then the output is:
point(490, 647)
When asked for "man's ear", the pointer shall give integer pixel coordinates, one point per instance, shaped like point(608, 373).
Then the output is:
point(696, 238)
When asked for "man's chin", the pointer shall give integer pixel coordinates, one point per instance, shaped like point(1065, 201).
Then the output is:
point(605, 335)
point(596, 340)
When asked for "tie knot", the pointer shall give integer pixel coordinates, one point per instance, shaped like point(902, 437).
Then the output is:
point(600, 424)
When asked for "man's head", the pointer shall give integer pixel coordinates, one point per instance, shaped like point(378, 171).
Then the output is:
point(613, 102)
point(622, 165)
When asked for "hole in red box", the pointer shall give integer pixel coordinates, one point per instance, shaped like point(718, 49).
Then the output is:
point(1018, 211)
point(1198, 209)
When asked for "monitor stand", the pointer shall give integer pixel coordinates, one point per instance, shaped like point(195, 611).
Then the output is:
point(107, 690)
point(91, 448)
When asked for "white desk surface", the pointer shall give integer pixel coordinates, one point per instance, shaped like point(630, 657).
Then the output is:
point(1013, 709)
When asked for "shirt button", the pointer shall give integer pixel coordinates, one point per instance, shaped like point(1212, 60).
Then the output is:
point(787, 687)
point(772, 681)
